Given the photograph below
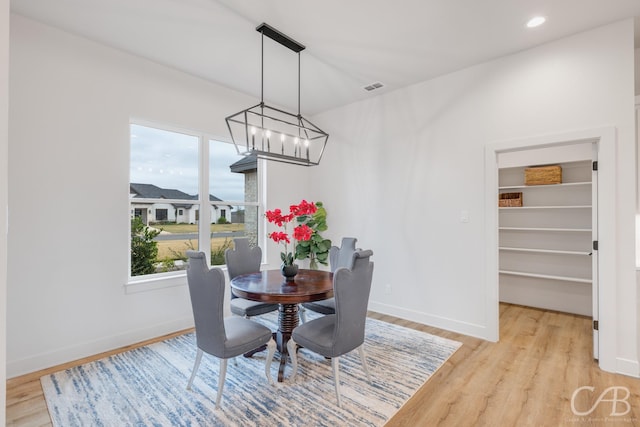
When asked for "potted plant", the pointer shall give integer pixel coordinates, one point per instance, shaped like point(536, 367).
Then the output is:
point(306, 239)
point(316, 248)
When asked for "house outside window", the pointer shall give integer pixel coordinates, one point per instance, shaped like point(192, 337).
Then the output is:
point(162, 214)
point(177, 179)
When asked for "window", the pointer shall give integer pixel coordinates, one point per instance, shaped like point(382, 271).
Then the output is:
point(162, 214)
point(177, 179)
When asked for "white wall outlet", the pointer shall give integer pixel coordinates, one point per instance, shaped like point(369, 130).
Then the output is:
point(387, 288)
point(464, 215)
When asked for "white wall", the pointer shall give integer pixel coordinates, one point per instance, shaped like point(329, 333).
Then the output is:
point(417, 151)
point(421, 150)
point(637, 73)
point(71, 101)
point(4, 142)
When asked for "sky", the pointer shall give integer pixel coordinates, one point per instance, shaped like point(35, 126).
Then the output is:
point(170, 160)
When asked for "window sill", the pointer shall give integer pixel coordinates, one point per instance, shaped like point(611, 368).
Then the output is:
point(136, 285)
point(168, 280)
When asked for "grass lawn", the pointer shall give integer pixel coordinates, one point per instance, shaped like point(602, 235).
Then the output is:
point(166, 248)
point(174, 249)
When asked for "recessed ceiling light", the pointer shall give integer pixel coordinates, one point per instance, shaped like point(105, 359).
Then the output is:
point(536, 21)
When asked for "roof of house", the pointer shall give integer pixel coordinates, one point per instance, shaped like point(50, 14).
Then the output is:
point(244, 165)
point(150, 191)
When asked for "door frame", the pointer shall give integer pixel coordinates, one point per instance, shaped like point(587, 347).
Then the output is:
point(604, 139)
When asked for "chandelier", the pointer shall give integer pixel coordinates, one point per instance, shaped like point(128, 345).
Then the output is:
point(271, 133)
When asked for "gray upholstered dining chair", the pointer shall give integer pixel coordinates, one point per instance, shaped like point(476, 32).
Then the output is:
point(338, 257)
point(243, 259)
point(215, 335)
point(337, 334)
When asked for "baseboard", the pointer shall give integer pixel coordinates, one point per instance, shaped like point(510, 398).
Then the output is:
point(628, 367)
point(465, 328)
point(89, 348)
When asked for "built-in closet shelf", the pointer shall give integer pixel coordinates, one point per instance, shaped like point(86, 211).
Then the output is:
point(545, 207)
point(544, 187)
point(546, 276)
point(545, 251)
point(559, 230)
point(545, 246)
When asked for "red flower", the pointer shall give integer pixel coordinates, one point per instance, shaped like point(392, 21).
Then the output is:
point(304, 208)
point(277, 218)
point(302, 232)
point(272, 216)
point(279, 236)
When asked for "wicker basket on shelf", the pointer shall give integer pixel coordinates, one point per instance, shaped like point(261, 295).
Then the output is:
point(543, 175)
point(510, 200)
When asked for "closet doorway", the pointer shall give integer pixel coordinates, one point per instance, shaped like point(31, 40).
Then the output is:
point(604, 272)
point(547, 229)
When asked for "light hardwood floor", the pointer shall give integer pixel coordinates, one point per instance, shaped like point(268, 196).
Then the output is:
point(526, 379)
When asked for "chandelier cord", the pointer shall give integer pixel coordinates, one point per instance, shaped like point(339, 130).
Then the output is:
point(298, 83)
point(262, 70)
point(262, 79)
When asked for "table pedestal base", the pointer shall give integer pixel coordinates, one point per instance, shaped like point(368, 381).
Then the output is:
point(267, 286)
point(287, 320)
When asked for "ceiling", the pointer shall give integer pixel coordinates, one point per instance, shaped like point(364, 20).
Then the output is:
point(349, 44)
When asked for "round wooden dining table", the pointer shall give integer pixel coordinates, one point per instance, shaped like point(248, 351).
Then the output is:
point(270, 286)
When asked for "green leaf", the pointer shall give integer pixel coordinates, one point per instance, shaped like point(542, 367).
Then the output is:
point(317, 247)
point(325, 245)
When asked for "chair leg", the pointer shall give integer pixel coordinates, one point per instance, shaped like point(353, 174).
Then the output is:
point(221, 377)
point(291, 349)
point(271, 350)
point(335, 361)
point(196, 365)
point(363, 359)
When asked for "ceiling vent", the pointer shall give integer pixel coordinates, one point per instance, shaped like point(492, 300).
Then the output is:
point(373, 86)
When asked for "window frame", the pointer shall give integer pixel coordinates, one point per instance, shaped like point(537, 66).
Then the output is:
point(147, 282)
point(161, 214)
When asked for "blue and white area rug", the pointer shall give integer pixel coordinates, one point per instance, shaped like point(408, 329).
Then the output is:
point(147, 386)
